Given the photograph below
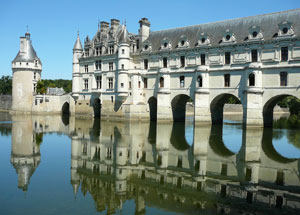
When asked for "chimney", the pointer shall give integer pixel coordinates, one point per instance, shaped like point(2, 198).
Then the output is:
point(144, 30)
point(104, 26)
point(114, 23)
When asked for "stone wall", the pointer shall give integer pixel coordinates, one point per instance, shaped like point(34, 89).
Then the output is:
point(5, 102)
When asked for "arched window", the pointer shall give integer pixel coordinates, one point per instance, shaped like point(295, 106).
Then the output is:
point(161, 82)
point(199, 80)
point(251, 80)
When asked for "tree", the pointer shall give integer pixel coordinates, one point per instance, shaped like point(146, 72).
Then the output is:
point(40, 87)
point(6, 85)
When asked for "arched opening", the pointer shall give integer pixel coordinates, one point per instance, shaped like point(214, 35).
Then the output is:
point(284, 104)
point(218, 103)
point(199, 81)
point(97, 108)
point(178, 137)
point(153, 108)
point(161, 82)
point(65, 110)
point(251, 80)
point(179, 107)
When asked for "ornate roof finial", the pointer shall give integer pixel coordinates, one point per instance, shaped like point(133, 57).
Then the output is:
point(98, 24)
point(77, 33)
point(125, 22)
point(27, 29)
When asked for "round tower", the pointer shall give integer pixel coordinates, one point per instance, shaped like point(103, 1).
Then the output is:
point(27, 69)
point(123, 63)
point(77, 53)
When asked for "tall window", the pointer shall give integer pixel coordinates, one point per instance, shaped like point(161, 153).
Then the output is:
point(129, 85)
point(145, 83)
point(251, 80)
point(123, 51)
point(111, 49)
point(202, 59)
point(283, 78)
point(139, 84)
point(254, 55)
point(110, 83)
point(182, 61)
point(181, 78)
point(99, 82)
point(227, 57)
point(86, 68)
point(284, 53)
point(161, 82)
point(165, 62)
point(111, 66)
point(122, 66)
point(34, 75)
point(199, 80)
point(226, 80)
point(34, 88)
point(86, 84)
point(98, 64)
point(145, 63)
point(97, 51)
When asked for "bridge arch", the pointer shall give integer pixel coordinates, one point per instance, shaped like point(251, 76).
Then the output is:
point(178, 105)
point(152, 102)
point(217, 106)
point(65, 109)
point(268, 108)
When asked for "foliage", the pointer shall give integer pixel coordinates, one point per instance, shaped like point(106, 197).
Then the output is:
point(292, 103)
point(44, 84)
point(233, 100)
point(40, 87)
point(6, 85)
point(39, 138)
point(5, 129)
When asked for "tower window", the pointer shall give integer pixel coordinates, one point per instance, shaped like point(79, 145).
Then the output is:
point(181, 78)
point(199, 80)
point(86, 68)
point(129, 85)
point(254, 55)
point(284, 53)
point(145, 83)
point(110, 83)
point(161, 82)
point(139, 84)
point(283, 78)
point(251, 80)
point(99, 82)
point(227, 80)
point(182, 61)
point(86, 84)
point(145, 63)
point(98, 64)
point(202, 56)
point(165, 62)
point(111, 66)
point(123, 51)
point(122, 66)
point(227, 57)
point(122, 85)
point(34, 75)
point(34, 88)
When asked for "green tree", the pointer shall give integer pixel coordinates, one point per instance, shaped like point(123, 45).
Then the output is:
point(40, 87)
point(6, 85)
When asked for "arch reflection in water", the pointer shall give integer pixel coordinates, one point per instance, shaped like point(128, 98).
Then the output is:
point(131, 166)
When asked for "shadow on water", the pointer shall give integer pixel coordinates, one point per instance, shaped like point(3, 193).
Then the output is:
point(178, 137)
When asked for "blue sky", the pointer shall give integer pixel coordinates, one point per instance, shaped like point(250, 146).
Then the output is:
point(53, 24)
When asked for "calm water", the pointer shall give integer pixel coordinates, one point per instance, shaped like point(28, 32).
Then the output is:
point(51, 165)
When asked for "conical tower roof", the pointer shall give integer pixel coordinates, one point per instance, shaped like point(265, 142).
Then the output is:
point(77, 45)
point(123, 38)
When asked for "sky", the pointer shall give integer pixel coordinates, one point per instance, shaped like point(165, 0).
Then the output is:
point(53, 24)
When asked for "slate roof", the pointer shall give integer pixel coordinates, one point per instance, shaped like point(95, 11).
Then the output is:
point(268, 23)
point(77, 45)
point(55, 91)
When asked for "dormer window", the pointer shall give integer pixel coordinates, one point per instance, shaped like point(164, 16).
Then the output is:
point(254, 34)
point(165, 45)
point(285, 29)
point(203, 40)
point(183, 42)
point(227, 37)
point(146, 47)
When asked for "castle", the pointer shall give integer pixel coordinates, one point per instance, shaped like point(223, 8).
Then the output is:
point(153, 74)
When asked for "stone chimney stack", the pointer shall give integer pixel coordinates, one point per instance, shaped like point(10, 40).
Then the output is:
point(144, 30)
point(104, 26)
point(114, 23)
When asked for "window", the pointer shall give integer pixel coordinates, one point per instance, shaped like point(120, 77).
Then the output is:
point(99, 82)
point(202, 59)
point(145, 83)
point(122, 85)
point(254, 55)
point(161, 82)
point(182, 61)
point(122, 66)
point(251, 80)
point(111, 66)
point(181, 78)
point(34, 88)
point(254, 34)
point(98, 64)
point(86, 68)
point(86, 84)
point(34, 75)
point(283, 78)
point(199, 80)
point(285, 30)
point(165, 62)
point(145, 63)
point(227, 57)
point(139, 84)
point(284, 53)
point(227, 37)
point(110, 83)
point(97, 52)
point(86, 52)
point(111, 49)
point(123, 51)
point(129, 85)
point(226, 80)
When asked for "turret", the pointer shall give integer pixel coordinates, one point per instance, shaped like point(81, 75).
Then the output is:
point(27, 69)
point(123, 63)
point(75, 179)
point(77, 53)
point(144, 30)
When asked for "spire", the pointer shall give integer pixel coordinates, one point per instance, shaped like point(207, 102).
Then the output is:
point(124, 35)
point(77, 45)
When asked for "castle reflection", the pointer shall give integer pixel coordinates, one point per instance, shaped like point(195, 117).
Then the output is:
point(153, 164)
